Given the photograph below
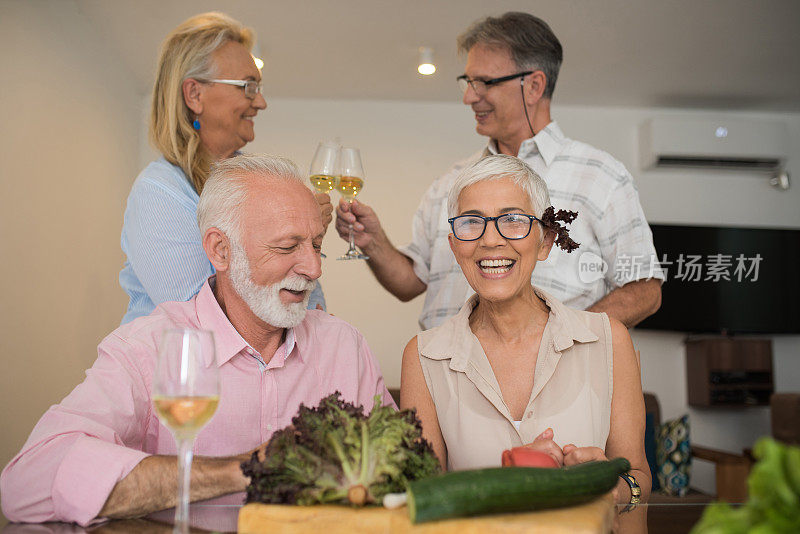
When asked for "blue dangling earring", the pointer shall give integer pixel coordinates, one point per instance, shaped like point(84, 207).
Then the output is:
point(196, 124)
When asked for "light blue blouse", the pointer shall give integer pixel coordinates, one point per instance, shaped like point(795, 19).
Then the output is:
point(161, 240)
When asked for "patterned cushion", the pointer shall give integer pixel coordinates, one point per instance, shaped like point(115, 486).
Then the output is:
point(674, 457)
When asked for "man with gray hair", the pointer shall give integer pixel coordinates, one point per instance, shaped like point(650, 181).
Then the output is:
point(512, 66)
point(103, 453)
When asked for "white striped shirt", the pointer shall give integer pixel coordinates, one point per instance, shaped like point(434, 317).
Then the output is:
point(165, 260)
point(611, 229)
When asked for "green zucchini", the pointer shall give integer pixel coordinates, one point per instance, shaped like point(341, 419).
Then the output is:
point(510, 489)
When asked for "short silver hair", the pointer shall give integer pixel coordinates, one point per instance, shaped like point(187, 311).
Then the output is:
point(501, 166)
point(224, 192)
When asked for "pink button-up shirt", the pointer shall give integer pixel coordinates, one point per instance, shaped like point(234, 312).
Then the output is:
point(86, 444)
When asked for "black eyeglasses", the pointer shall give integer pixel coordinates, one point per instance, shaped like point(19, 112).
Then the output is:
point(481, 86)
point(509, 226)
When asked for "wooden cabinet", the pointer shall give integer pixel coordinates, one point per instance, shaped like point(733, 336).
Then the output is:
point(729, 372)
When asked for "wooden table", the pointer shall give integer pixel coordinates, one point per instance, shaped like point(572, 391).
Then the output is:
point(647, 519)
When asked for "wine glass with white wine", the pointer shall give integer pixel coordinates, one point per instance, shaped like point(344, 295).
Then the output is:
point(324, 173)
point(185, 396)
point(349, 185)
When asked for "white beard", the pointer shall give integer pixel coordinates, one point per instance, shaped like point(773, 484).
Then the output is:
point(265, 301)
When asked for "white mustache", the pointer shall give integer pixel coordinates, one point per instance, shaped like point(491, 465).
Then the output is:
point(298, 284)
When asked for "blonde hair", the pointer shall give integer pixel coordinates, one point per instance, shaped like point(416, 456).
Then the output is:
point(186, 53)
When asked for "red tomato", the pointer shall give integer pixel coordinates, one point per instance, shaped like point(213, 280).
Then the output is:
point(526, 457)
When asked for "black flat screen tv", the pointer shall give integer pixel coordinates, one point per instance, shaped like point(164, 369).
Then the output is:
point(728, 280)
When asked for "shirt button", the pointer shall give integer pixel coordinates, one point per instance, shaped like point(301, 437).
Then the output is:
point(269, 427)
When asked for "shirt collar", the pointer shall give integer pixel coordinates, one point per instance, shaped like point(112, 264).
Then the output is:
point(287, 349)
point(227, 339)
point(547, 143)
point(565, 325)
point(210, 316)
point(452, 340)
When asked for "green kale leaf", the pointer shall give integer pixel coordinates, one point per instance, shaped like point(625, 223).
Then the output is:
point(334, 453)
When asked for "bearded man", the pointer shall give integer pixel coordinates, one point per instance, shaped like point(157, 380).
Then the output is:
point(103, 453)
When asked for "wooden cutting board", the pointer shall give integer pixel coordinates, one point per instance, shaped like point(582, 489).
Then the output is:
point(593, 517)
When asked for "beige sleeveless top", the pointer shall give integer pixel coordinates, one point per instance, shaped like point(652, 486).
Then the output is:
point(572, 386)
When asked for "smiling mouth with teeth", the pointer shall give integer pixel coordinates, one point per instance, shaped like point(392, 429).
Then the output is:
point(496, 266)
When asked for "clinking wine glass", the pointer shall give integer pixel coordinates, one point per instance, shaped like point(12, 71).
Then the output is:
point(185, 396)
point(349, 185)
point(324, 173)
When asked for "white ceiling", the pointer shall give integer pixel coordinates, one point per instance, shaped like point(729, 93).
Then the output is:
point(719, 54)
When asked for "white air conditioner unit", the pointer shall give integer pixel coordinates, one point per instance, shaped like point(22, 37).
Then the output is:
point(706, 143)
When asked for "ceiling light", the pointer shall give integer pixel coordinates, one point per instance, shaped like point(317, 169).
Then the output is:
point(426, 66)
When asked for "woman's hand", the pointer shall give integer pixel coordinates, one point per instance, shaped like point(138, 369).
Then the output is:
point(577, 455)
point(325, 208)
point(544, 443)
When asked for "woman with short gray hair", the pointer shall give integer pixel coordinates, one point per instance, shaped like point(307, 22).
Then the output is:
point(516, 367)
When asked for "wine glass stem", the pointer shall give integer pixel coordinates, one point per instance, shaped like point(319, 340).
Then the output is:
point(184, 478)
point(352, 240)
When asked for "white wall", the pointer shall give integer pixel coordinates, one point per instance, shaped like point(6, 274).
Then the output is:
point(69, 139)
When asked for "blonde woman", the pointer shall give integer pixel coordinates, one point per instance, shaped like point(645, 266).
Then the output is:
point(206, 95)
